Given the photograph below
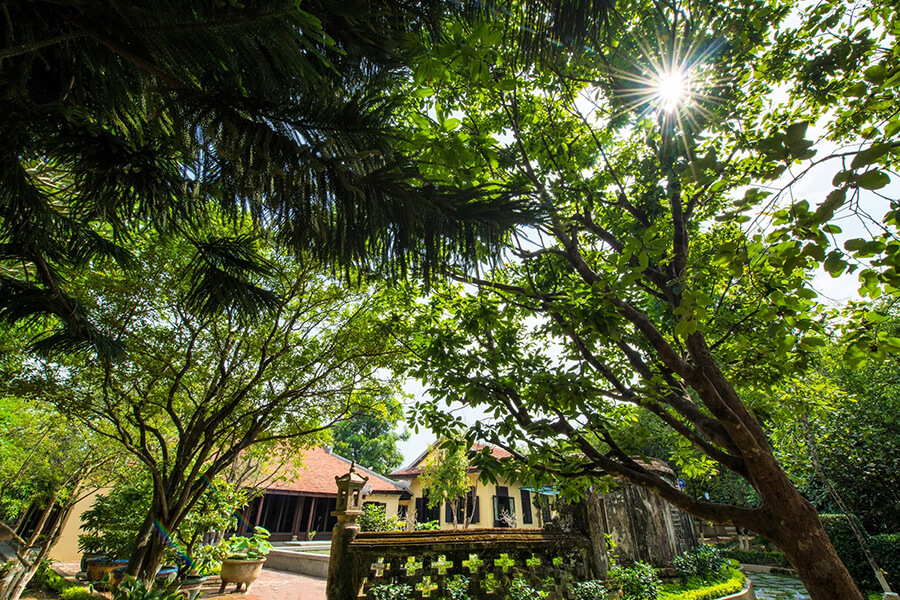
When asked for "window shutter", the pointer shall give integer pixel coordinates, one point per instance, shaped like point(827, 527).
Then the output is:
point(527, 519)
point(420, 510)
point(448, 512)
point(475, 511)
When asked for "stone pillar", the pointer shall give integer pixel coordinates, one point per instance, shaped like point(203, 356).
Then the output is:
point(343, 579)
point(596, 531)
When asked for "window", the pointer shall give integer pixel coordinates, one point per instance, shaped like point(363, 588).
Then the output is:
point(425, 514)
point(466, 506)
point(527, 518)
point(504, 508)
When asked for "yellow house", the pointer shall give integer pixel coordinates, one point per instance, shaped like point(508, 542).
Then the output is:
point(504, 504)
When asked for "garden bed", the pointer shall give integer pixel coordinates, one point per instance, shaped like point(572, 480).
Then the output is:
point(734, 583)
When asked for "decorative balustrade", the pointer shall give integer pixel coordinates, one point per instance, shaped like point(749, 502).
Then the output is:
point(488, 559)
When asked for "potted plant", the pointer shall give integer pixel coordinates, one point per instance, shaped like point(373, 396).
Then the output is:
point(244, 558)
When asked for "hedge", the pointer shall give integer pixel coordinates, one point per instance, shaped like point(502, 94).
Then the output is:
point(885, 548)
point(732, 585)
point(758, 557)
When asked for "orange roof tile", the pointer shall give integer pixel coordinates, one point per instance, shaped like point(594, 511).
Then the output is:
point(320, 467)
point(414, 470)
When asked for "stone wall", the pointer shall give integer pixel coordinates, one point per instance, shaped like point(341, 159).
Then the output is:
point(644, 526)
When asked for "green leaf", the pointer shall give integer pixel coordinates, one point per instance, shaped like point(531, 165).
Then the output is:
point(873, 180)
point(875, 74)
point(870, 155)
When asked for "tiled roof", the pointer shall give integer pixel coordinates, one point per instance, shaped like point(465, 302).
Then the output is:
point(415, 469)
point(320, 467)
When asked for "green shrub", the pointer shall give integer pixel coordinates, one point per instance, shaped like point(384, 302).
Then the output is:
point(733, 583)
point(135, 589)
point(47, 578)
point(76, 592)
point(640, 581)
point(428, 526)
point(374, 518)
point(520, 590)
point(885, 548)
point(392, 591)
point(707, 563)
point(588, 590)
point(458, 588)
point(758, 557)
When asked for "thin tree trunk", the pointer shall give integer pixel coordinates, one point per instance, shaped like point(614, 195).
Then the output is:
point(859, 533)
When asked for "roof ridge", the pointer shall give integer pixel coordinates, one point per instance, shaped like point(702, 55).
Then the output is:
point(366, 470)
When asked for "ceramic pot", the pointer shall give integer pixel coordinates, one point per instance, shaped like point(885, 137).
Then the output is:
point(240, 571)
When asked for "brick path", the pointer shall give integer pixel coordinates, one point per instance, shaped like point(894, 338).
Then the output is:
point(271, 585)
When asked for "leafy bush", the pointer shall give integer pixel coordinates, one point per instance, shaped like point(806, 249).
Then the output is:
point(885, 547)
point(640, 581)
point(374, 518)
point(588, 590)
point(458, 588)
point(113, 521)
point(704, 562)
point(520, 590)
point(733, 583)
point(135, 589)
point(758, 557)
point(428, 526)
point(46, 577)
point(76, 592)
point(252, 548)
point(392, 591)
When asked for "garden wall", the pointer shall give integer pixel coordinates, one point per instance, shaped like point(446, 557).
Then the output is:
point(488, 559)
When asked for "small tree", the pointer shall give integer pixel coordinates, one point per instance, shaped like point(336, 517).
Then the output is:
point(47, 464)
point(198, 387)
point(371, 440)
point(445, 479)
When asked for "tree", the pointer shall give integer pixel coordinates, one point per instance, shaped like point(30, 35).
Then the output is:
point(119, 117)
point(445, 480)
point(47, 464)
point(191, 394)
point(648, 284)
point(371, 440)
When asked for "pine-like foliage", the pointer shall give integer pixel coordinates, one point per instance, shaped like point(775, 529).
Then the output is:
point(164, 114)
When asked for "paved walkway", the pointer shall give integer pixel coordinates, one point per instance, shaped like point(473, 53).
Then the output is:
point(768, 586)
point(271, 585)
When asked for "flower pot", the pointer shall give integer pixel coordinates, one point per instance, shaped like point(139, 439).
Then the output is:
point(240, 571)
point(97, 570)
point(191, 586)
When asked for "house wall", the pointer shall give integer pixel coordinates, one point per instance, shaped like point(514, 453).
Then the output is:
point(391, 502)
point(66, 547)
point(485, 493)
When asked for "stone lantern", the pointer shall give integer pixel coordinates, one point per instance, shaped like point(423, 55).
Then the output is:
point(350, 494)
point(348, 507)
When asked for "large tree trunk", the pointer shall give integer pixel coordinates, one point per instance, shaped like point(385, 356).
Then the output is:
point(798, 532)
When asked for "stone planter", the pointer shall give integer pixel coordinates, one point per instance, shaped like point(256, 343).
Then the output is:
point(240, 571)
point(98, 569)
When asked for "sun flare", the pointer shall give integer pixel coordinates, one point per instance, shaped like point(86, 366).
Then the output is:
point(671, 90)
